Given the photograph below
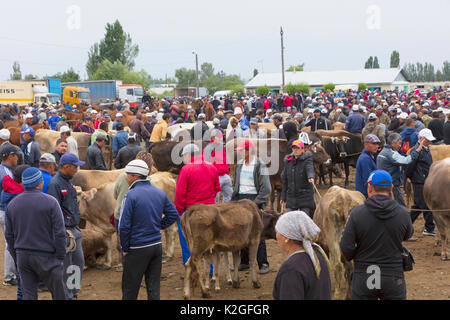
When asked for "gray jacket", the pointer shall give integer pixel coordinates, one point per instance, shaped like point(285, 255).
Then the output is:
point(391, 161)
point(94, 158)
point(260, 178)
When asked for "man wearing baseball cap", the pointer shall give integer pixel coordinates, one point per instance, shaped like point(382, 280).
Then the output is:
point(62, 189)
point(318, 122)
point(417, 172)
point(200, 128)
point(72, 144)
point(355, 122)
point(382, 225)
point(373, 127)
point(297, 178)
point(118, 118)
point(198, 182)
point(251, 181)
point(47, 166)
point(129, 152)
point(36, 235)
point(146, 210)
point(26, 124)
point(30, 148)
point(366, 163)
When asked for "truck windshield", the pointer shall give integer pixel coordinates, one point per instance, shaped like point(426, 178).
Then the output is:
point(83, 95)
point(53, 99)
point(138, 92)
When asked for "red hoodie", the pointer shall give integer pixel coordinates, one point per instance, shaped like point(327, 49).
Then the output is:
point(266, 104)
point(9, 185)
point(198, 182)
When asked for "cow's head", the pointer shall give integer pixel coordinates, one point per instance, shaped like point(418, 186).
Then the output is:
point(269, 218)
point(340, 144)
point(83, 199)
point(319, 154)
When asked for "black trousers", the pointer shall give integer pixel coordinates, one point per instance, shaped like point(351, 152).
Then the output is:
point(419, 203)
point(137, 263)
point(261, 255)
point(308, 210)
point(391, 288)
point(34, 268)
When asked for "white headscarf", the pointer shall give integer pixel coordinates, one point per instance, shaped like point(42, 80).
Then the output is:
point(297, 225)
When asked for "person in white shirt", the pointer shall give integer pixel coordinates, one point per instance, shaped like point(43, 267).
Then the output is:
point(72, 145)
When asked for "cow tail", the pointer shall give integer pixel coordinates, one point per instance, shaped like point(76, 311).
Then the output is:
point(187, 228)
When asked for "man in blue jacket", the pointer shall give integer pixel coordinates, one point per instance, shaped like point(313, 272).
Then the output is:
point(120, 139)
point(140, 225)
point(366, 163)
point(36, 236)
point(355, 122)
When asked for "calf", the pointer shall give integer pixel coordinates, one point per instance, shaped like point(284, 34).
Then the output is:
point(221, 228)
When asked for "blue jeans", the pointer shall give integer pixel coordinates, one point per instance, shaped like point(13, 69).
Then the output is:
point(186, 254)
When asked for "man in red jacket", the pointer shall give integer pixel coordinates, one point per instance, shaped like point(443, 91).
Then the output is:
point(215, 153)
point(198, 182)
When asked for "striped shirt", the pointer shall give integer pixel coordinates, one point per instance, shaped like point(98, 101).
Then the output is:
point(247, 183)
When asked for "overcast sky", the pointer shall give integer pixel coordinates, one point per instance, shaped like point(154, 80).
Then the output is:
point(235, 36)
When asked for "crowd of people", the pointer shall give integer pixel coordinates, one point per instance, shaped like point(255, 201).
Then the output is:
point(40, 213)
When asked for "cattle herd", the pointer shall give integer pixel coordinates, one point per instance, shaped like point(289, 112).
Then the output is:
point(215, 230)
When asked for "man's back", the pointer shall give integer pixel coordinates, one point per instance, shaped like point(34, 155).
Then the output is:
point(94, 158)
point(355, 123)
point(198, 182)
point(378, 227)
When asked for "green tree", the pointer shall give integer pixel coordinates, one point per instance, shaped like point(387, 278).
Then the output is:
point(298, 67)
point(369, 63)
point(376, 65)
point(206, 71)
point(395, 59)
point(302, 87)
point(116, 46)
point(255, 72)
point(117, 71)
point(262, 90)
point(329, 86)
point(30, 77)
point(68, 76)
point(186, 77)
point(17, 74)
point(237, 89)
point(362, 86)
point(228, 81)
point(290, 88)
point(446, 70)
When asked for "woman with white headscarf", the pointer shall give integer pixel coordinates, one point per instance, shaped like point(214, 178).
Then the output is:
point(305, 273)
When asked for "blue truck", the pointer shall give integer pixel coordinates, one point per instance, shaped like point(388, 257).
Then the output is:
point(99, 90)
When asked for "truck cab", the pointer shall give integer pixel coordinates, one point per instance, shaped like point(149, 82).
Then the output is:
point(132, 92)
point(42, 95)
point(76, 95)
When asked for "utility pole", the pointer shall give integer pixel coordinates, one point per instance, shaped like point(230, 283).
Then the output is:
point(196, 70)
point(282, 60)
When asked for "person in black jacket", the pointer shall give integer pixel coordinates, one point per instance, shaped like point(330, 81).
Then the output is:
point(297, 178)
point(437, 128)
point(30, 148)
point(318, 122)
point(447, 130)
point(127, 153)
point(417, 172)
point(62, 189)
point(373, 237)
point(94, 156)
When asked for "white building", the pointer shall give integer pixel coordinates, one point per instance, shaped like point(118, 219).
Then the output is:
point(384, 79)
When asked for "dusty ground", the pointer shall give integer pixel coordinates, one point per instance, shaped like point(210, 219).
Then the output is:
point(430, 278)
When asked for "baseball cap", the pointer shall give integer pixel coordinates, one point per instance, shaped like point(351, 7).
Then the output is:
point(28, 116)
point(70, 158)
point(338, 110)
point(94, 112)
point(355, 107)
point(298, 144)
point(5, 134)
point(317, 110)
point(413, 115)
point(427, 134)
point(379, 108)
point(148, 115)
point(201, 116)
point(372, 116)
point(8, 149)
point(107, 116)
point(298, 115)
point(47, 157)
point(216, 121)
point(190, 148)
point(310, 111)
point(324, 111)
point(380, 178)
point(371, 138)
point(119, 115)
point(64, 129)
point(254, 121)
point(88, 119)
point(247, 144)
point(29, 131)
point(237, 111)
point(403, 116)
point(269, 111)
point(137, 167)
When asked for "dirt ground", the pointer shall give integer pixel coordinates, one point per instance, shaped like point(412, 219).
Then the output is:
point(430, 278)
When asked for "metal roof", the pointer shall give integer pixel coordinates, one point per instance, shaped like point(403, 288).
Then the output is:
point(319, 78)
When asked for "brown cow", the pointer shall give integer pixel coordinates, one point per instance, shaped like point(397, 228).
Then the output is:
point(224, 227)
point(435, 192)
point(330, 216)
point(96, 207)
point(94, 247)
point(88, 179)
point(15, 132)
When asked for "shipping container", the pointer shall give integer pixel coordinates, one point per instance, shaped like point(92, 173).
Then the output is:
point(99, 90)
